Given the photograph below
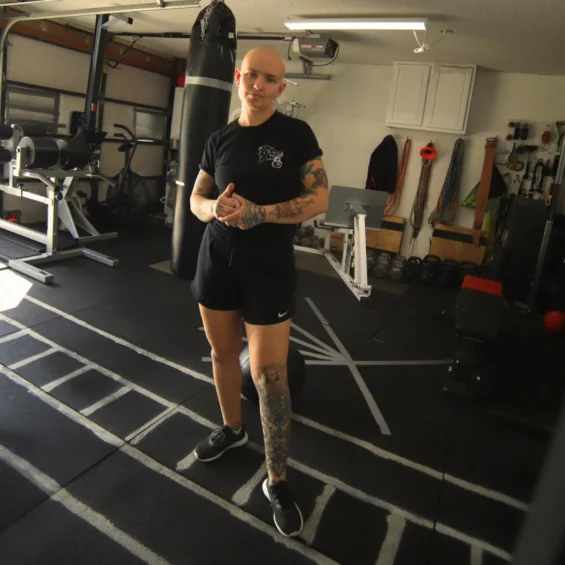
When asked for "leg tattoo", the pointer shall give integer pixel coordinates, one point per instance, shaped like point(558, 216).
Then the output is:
point(274, 398)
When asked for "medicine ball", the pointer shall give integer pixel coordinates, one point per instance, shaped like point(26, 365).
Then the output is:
point(296, 374)
point(554, 322)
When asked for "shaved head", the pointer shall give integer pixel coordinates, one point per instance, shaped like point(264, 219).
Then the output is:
point(260, 80)
point(267, 59)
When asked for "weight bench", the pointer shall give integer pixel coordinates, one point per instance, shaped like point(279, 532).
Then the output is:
point(351, 211)
point(478, 322)
point(49, 161)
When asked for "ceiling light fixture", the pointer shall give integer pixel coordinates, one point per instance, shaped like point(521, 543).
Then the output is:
point(359, 24)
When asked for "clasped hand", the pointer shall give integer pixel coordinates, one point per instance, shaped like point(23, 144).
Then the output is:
point(236, 211)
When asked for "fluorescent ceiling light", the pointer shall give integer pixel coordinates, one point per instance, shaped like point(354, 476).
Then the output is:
point(304, 24)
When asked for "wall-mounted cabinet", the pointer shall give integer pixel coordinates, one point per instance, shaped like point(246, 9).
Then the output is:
point(432, 97)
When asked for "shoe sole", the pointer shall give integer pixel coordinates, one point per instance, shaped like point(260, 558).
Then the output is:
point(239, 443)
point(293, 534)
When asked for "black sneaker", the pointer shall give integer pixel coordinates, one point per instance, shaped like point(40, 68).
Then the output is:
point(286, 514)
point(218, 442)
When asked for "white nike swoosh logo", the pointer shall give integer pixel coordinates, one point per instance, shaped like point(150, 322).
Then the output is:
point(283, 314)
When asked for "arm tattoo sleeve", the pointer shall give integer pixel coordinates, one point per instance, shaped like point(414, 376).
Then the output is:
point(275, 416)
point(294, 208)
point(204, 187)
point(254, 215)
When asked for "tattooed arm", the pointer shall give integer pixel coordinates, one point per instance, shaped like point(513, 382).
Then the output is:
point(206, 208)
point(313, 201)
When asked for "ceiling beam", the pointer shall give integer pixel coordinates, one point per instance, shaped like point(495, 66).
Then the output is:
point(73, 38)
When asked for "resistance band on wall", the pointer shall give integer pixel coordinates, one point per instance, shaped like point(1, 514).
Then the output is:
point(428, 154)
point(394, 198)
point(447, 200)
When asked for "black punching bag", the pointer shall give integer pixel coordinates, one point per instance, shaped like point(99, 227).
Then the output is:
point(210, 70)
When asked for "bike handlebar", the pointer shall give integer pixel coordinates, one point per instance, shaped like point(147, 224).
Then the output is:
point(121, 126)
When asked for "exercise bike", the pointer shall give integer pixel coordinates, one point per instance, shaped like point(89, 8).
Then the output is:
point(126, 208)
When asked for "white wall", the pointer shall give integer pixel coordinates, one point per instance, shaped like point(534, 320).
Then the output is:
point(42, 64)
point(348, 114)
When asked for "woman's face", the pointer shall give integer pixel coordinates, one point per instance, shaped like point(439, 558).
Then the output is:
point(260, 79)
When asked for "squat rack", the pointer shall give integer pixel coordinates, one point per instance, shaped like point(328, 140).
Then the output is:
point(58, 197)
point(59, 183)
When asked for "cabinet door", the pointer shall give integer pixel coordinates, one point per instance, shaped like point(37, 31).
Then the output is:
point(449, 97)
point(408, 94)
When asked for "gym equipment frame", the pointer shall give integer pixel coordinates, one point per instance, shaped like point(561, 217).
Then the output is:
point(351, 211)
point(61, 207)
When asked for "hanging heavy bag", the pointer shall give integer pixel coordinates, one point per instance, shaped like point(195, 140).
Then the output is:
point(207, 94)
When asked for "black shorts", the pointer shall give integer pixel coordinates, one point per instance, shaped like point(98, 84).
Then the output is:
point(257, 278)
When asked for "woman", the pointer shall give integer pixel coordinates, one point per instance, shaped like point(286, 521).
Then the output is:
point(269, 171)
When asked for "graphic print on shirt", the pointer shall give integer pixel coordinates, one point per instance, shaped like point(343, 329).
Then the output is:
point(268, 153)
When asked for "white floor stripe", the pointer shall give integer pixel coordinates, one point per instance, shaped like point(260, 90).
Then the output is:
point(488, 493)
point(351, 491)
point(387, 506)
point(143, 431)
point(13, 336)
point(187, 462)
point(332, 363)
point(333, 352)
point(29, 360)
point(100, 432)
point(377, 451)
point(469, 540)
point(12, 322)
point(105, 401)
point(340, 362)
point(476, 555)
point(100, 369)
point(121, 341)
point(391, 545)
point(371, 402)
point(235, 511)
point(33, 475)
point(62, 380)
point(243, 494)
point(110, 438)
point(384, 454)
point(326, 352)
point(400, 363)
point(79, 509)
point(319, 356)
point(197, 417)
point(336, 483)
point(313, 522)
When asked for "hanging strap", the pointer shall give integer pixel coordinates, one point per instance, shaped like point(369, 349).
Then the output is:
point(447, 200)
point(484, 189)
point(394, 198)
point(428, 154)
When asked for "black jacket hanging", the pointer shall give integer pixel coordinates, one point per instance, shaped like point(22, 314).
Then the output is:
point(383, 166)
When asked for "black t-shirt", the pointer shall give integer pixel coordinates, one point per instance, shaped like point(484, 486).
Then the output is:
point(264, 163)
